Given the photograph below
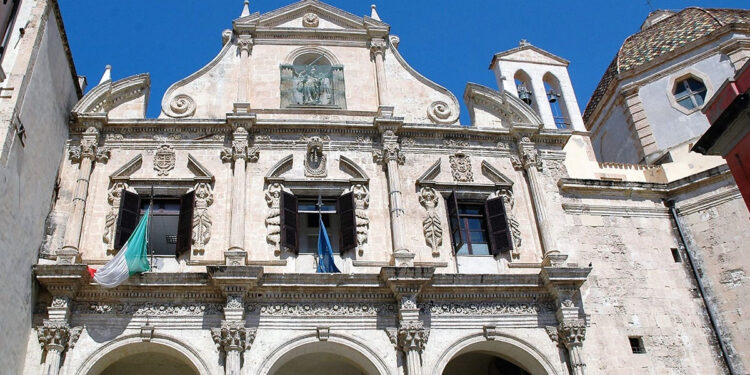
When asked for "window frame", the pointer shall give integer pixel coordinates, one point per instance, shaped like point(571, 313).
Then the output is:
point(682, 78)
point(466, 231)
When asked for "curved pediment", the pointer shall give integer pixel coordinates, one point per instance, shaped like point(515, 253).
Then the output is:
point(490, 108)
point(126, 98)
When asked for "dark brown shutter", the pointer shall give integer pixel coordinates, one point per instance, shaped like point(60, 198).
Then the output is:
point(289, 221)
point(497, 226)
point(127, 218)
point(348, 222)
point(185, 224)
point(457, 237)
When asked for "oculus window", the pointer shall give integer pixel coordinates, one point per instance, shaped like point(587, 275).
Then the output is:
point(478, 228)
point(689, 93)
point(170, 229)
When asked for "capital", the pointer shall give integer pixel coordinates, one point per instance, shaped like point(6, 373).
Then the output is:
point(233, 336)
point(57, 335)
point(240, 149)
point(245, 44)
point(378, 46)
point(412, 336)
point(391, 149)
point(572, 333)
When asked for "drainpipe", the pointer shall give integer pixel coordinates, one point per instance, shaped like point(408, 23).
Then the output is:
point(709, 309)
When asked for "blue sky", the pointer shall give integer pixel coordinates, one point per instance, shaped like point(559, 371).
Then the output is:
point(450, 42)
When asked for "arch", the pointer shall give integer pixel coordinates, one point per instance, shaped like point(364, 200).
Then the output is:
point(503, 345)
point(341, 345)
point(281, 167)
point(559, 106)
point(311, 50)
point(128, 345)
point(351, 167)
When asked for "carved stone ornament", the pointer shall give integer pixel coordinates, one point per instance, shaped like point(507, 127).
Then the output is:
point(361, 203)
point(273, 220)
point(412, 336)
point(431, 225)
point(181, 105)
point(233, 336)
point(110, 221)
point(461, 167)
point(391, 149)
point(240, 149)
point(164, 160)
point(204, 197)
point(572, 333)
point(440, 112)
point(57, 335)
point(315, 159)
point(529, 157)
point(89, 150)
point(310, 20)
point(378, 46)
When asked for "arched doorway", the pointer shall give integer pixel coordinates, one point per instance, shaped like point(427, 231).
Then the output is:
point(130, 356)
point(483, 363)
point(308, 356)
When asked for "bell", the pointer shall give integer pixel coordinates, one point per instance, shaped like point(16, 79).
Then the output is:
point(524, 94)
point(552, 96)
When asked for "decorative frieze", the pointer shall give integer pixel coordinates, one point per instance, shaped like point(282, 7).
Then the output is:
point(461, 168)
point(323, 309)
point(431, 225)
point(164, 160)
point(487, 308)
point(148, 309)
point(204, 197)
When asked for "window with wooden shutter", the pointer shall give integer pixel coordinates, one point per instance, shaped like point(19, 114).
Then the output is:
point(497, 226)
point(453, 220)
point(289, 221)
point(185, 224)
point(127, 218)
point(347, 222)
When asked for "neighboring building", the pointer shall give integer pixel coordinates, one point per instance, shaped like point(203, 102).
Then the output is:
point(729, 135)
point(499, 246)
point(646, 108)
point(38, 88)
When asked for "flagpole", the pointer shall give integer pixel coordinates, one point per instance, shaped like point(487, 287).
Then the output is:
point(148, 229)
point(320, 222)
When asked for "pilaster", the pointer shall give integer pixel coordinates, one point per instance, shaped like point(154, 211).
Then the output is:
point(377, 51)
point(637, 120)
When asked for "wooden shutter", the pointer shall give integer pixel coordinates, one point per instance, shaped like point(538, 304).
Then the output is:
point(185, 224)
point(345, 208)
point(497, 226)
point(457, 237)
point(289, 221)
point(127, 217)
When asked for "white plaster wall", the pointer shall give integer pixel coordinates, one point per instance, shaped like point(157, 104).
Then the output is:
point(614, 140)
point(28, 179)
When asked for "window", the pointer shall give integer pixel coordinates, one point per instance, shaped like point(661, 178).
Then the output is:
point(170, 229)
point(636, 345)
point(300, 223)
point(478, 228)
point(556, 101)
point(690, 93)
point(676, 255)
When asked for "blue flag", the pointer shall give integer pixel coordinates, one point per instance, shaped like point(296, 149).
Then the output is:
point(325, 252)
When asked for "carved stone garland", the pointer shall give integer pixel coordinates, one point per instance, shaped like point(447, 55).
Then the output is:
point(273, 220)
point(431, 225)
point(361, 202)
point(204, 197)
point(461, 167)
point(110, 222)
point(164, 160)
point(315, 159)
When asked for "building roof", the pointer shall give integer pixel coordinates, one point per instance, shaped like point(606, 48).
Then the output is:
point(664, 36)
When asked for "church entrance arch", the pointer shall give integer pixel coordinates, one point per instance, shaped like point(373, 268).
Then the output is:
point(310, 356)
point(502, 355)
point(134, 356)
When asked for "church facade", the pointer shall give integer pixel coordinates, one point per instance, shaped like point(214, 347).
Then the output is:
point(499, 246)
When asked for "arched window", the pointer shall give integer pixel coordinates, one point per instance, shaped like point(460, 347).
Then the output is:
point(312, 80)
point(556, 101)
point(524, 88)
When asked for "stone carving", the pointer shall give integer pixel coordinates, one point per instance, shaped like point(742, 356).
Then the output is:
point(408, 303)
point(412, 336)
point(181, 105)
point(273, 220)
point(147, 309)
point(233, 336)
point(313, 83)
point(315, 159)
point(164, 160)
point(431, 225)
point(461, 167)
point(324, 333)
point(570, 335)
point(452, 143)
point(391, 149)
point(529, 156)
point(110, 221)
point(204, 197)
point(377, 46)
point(234, 302)
point(245, 44)
point(310, 20)
point(57, 335)
point(487, 308)
point(240, 148)
point(324, 309)
point(440, 112)
point(89, 150)
point(226, 36)
point(361, 202)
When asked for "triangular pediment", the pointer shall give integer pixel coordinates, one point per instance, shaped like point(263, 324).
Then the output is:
point(309, 14)
point(532, 54)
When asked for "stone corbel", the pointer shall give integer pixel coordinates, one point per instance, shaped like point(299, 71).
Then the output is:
point(564, 284)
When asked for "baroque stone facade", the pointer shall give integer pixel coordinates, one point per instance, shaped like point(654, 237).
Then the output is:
point(498, 242)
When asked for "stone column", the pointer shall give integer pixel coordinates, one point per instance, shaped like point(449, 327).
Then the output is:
point(245, 47)
point(571, 336)
point(412, 337)
point(377, 50)
point(233, 338)
point(391, 158)
point(531, 164)
point(86, 154)
point(55, 337)
point(239, 154)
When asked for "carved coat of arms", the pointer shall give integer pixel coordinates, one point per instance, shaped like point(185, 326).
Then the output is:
point(164, 160)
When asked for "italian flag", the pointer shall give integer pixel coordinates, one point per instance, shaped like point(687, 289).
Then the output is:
point(130, 260)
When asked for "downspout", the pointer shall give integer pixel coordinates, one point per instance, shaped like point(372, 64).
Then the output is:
point(709, 309)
